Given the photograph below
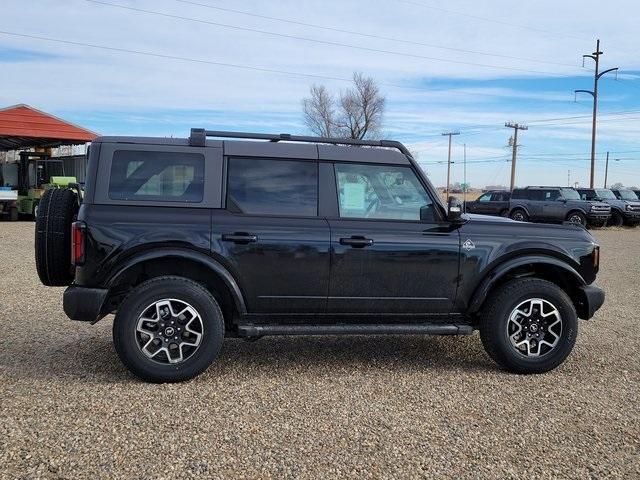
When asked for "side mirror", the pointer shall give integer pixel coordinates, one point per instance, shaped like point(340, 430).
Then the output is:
point(454, 210)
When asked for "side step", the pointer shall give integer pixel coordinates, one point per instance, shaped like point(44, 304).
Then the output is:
point(252, 330)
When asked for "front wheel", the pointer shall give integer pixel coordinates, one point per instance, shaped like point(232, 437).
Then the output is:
point(578, 218)
point(615, 220)
point(168, 329)
point(529, 325)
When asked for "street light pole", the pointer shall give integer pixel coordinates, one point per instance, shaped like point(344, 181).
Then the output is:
point(595, 56)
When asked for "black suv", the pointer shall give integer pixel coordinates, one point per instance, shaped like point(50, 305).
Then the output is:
point(623, 210)
point(191, 240)
point(493, 202)
point(556, 205)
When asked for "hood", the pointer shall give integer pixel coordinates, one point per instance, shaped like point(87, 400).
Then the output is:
point(507, 226)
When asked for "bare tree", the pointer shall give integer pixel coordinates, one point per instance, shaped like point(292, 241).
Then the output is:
point(358, 113)
point(319, 111)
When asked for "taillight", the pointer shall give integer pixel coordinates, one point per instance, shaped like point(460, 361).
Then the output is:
point(77, 242)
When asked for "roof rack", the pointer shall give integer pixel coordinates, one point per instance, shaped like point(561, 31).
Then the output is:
point(199, 136)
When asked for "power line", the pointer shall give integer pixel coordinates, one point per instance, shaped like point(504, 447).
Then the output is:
point(491, 20)
point(327, 42)
point(370, 35)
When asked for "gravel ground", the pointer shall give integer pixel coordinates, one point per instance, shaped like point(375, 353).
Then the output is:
point(307, 407)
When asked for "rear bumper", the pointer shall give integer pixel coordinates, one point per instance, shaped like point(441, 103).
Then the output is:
point(591, 299)
point(83, 304)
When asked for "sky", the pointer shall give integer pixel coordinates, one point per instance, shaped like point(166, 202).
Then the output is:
point(158, 68)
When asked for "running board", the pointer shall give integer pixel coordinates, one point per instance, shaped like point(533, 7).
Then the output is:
point(252, 330)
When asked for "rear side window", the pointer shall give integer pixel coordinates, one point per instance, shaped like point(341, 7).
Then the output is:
point(519, 194)
point(157, 176)
point(272, 187)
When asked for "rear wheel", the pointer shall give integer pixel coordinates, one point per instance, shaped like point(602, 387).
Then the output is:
point(529, 325)
point(168, 329)
point(519, 215)
point(56, 211)
point(616, 219)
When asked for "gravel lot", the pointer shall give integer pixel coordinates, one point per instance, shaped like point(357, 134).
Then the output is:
point(311, 407)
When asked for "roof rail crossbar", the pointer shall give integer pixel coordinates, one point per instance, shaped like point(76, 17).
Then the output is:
point(199, 135)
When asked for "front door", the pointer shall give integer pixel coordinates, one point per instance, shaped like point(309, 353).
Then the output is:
point(385, 259)
point(270, 236)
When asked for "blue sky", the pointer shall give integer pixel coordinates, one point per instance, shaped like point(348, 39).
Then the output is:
point(443, 65)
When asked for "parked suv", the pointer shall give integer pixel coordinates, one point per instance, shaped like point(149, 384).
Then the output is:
point(623, 211)
point(188, 241)
point(556, 205)
point(493, 202)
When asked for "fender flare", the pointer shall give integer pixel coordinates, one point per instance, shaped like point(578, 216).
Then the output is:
point(576, 209)
point(189, 254)
point(499, 271)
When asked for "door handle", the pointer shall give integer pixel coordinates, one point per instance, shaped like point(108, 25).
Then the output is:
point(356, 242)
point(241, 238)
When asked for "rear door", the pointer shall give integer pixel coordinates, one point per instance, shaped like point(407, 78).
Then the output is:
point(385, 260)
point(269, 233)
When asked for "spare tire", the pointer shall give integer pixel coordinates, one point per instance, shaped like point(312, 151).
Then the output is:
point(57, 209)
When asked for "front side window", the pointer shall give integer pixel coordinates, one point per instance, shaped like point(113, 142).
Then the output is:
point(156, 176)
point(570, 194)
point(381, 192)
point(485, 198)
point(272, 187)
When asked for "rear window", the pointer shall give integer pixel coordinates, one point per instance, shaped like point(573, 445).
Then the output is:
point(272, 187)
point(157, 176)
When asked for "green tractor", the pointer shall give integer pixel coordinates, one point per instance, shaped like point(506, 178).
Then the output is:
point(38, 172)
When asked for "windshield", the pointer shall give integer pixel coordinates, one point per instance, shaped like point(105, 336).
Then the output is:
point(605, 194)
point(570, 194)
point(628, 195)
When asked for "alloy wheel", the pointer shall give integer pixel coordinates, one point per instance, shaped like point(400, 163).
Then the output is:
point(169, 331)
point(534, 327)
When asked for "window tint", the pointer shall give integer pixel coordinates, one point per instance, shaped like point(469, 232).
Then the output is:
point(272, 187)
point(485, 198)
point(156, 176)
point(499, 197)
point(537, 195)
point(519, 193)
point(381, 192)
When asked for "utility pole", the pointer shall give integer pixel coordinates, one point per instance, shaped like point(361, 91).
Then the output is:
point(606, 170)
point(568, 178)
point(449, 134)
point(515, 127)
point(595, 56)
point(464, 176)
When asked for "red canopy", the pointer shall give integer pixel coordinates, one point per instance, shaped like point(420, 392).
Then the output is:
point(22, 126)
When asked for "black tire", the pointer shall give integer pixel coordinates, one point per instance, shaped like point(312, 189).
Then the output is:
point(577, 218)
point(616, 219)
point(494, 324)
point(13, 214)
point(126, 338)
point(57, 209)
point(519, 215)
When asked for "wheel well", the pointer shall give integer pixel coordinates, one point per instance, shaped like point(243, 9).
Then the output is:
point(186, 268)
point(552, 273)
point(575, 210)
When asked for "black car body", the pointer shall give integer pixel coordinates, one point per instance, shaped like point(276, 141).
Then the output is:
point(492, 202)
point(556, 205)
point(306, 238)
point(623, 210)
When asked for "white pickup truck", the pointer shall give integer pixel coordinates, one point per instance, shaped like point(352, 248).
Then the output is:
point(8, 198)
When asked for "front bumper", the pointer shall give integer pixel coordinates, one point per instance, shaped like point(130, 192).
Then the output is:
point(84, 304)
point(591, 299)
point(631, 216)
point(598, 218)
